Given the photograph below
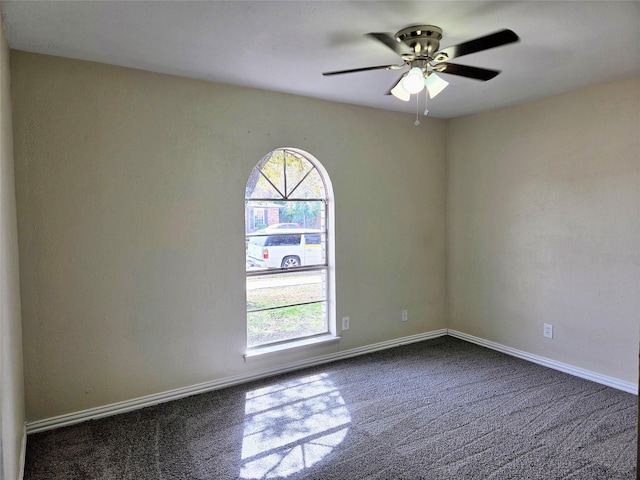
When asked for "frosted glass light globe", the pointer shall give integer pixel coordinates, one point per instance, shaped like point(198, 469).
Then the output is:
point(414, 81)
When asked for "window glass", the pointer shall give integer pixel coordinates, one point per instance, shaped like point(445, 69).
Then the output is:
point(311, 187)
point(286, 249)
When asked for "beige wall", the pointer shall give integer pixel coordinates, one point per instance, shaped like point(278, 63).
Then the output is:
point(11, 385)
point(544, 226)
point(130, 200)
point(130, 190)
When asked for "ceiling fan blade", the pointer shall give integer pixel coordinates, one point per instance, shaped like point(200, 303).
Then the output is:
point(364, 69)
point(503, 37)
point(389, 41)
point(476, 73)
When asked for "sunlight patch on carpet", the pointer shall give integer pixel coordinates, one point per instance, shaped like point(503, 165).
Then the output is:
point(291, 426)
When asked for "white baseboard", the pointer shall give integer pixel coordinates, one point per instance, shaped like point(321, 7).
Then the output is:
point(155, 399)
point(563, 367)
point(150, 400)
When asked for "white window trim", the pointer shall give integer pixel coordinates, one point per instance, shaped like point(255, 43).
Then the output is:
point(290, 345)
point(261, 351)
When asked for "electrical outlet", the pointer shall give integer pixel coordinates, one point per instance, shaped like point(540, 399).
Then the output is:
point(345, 323)
point(547, 330)
point(405, 315)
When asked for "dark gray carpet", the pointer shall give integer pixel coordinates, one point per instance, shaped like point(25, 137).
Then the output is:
point(440, 409)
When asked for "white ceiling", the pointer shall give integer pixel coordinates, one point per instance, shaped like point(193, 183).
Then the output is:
point(285, 46)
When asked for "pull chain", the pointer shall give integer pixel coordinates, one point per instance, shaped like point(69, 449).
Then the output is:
point(417, 122)
point(426, 99)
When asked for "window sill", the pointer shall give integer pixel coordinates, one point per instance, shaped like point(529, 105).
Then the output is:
point(288, 346)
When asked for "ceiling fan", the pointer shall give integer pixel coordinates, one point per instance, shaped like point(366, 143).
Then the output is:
point(418, 46)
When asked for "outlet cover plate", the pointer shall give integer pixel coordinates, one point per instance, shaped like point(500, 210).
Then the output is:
point(345, 323)
point(547, 330)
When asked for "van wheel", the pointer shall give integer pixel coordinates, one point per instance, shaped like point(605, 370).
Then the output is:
point(288, 262)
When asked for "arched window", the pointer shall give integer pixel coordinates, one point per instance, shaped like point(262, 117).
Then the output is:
point(286, 213)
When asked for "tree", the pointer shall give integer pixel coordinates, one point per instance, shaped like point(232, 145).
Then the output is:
point(306, 214)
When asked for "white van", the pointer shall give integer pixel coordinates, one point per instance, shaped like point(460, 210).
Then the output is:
point(291, 247)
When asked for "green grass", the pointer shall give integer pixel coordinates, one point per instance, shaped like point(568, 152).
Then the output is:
point(284, 324)
point(283, 295)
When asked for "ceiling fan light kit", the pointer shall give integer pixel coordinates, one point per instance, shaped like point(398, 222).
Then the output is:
point(433, 83)
point(413, 82)
point(419, 48)
point(400, 93)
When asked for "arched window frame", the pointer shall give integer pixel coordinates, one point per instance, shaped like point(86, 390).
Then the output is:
point(290, 192)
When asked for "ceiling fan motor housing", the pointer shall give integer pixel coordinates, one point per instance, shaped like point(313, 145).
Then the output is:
point(423, 40)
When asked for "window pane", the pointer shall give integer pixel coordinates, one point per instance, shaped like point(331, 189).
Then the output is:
point(273, 178)
point(297, 168)
point(311, 187)
point(286, 323)
point(264, 189)
point(273, 169)
point(303, 214)
point(280, 290)
point(281, 248)
point(280, 215)
point(259, 187)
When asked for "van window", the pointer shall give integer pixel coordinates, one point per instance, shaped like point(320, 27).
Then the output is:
point(277, 240)
point(258, 240)
point(312, 239)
